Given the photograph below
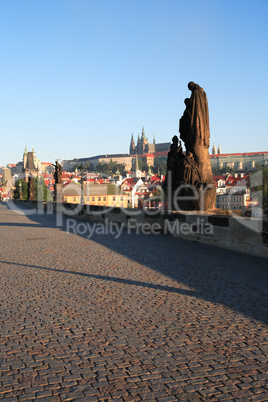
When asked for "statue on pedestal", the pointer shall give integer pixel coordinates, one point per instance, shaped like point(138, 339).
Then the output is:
point(31, 189)
point(174, 159)
point(194, 171)
point(58, 173)
point(58, 182)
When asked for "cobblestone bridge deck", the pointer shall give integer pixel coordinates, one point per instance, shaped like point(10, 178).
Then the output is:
point(137, 318)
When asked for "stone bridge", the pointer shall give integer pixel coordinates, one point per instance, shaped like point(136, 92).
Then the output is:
point(98, 316)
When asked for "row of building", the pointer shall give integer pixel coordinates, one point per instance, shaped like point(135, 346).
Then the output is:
point(148, 153)
point(130, 192)
point(133, 186)
point(247, 161)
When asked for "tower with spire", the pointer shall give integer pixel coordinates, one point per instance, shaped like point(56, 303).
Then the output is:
point(143, 146)
point(143, 134)
point(31, 164)
point(137, 170)
point(24, 158)
point(132, 147)
point(214, 150)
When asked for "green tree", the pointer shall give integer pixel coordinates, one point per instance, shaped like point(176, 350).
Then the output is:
point(89, 167)
point(42, 193)
point(100, 168)
point(143, 166)
point(161, 166)
point(75, 167)
point(112, 167)
point(121, 168)
point(22, 186)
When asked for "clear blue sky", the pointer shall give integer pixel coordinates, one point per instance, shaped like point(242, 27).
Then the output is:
point(78, 77)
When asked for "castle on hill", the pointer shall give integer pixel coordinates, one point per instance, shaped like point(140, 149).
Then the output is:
point(144, 147)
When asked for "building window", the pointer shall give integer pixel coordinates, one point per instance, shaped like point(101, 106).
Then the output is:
point(113, 198)
point(121, 198)
point(93, 198)
point(73, 198)
point(87, 198)
point(104, 198)
point(99, 198)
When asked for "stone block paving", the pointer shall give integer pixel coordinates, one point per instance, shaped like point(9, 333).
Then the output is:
point(137, 318)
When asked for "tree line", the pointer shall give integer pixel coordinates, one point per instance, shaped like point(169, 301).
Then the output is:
point(113, 168)
point(42, 193)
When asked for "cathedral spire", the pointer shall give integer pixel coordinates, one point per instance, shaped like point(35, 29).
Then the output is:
point(143, 133)
point(132, 147)
point(137, 170)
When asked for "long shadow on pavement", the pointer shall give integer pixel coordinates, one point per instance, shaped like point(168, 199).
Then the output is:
point(216, 275)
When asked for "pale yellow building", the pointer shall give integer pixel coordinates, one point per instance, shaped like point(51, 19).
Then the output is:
point(106, 195)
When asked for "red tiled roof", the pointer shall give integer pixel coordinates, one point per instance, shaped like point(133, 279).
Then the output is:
point(155, 177)
point(131, 180)
point(241, 154)
point(219, 177)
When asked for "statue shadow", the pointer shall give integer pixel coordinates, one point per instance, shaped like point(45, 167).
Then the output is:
point(217, 275)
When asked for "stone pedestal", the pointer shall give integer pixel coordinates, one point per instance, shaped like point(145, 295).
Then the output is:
point(58, 193)
point(202, 199)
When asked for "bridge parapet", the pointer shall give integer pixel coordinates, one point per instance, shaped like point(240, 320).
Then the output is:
point(245, 235)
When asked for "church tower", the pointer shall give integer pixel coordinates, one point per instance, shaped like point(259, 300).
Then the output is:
point(137, 170)
point(132, 148)
point(219, 150)
point(31, 164)
point(142, 146)
point(143, 134)
point(214, 150)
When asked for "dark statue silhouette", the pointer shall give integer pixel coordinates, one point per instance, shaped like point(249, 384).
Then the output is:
point(31, 189)
point(58, 173)
point(190, 175)
point(58, 182)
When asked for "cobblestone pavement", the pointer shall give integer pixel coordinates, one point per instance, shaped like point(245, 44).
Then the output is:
point(138, 318)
